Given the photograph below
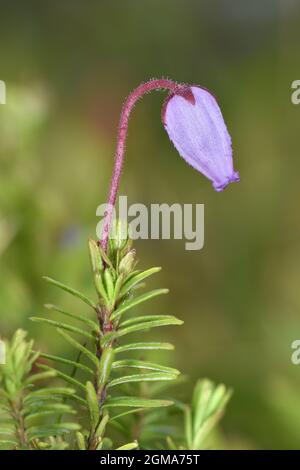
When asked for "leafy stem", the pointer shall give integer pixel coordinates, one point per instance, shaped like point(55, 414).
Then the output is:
point(103, 353)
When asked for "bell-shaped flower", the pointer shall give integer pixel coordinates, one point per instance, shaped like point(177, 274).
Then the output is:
point(195, 125)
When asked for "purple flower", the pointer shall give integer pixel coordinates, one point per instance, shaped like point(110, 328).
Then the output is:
point(195, 125)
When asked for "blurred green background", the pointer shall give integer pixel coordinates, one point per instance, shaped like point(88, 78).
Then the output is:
point(68, 67)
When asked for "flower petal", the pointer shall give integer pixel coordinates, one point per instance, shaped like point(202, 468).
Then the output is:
point(198, 131)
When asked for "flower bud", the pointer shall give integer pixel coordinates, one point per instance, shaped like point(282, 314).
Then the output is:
point(127, 263)
point(195, 125)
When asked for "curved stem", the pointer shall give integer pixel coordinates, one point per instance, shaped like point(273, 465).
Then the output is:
point(135, 95)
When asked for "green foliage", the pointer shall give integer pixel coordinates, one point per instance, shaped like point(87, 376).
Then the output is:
point(97, 344)
point(201, 417)
point(208, 406)
point(28, 416)
point(112, 390)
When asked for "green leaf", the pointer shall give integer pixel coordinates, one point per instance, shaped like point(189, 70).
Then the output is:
point(136, 301)
point(208, 405)
point(7, 432)
point(93, 405)
point(202, 395)
point(129, 446)
point(62, 360)
point(37, 402)
point(93, 325)
point(161, 387)
point(125, 413)
point(169, 320)
point(109, 283)
point(219, 399)
point(37, 432)
point(42, 376)
point(49, 391)
point(33, 408)
point(39, 397)
point(102, 425)
point(46, 413)
point(105, 257)
point(171, 443)
point(95, 256)
point(142, 346)
point(71, 291)
point(100, 288)
point(66, 377)
point(63, 326)
point(80, 400)
point(135, 402)
point(118, 285)
point(79, 346)
point(105, 364)
point(7, 442)
point(137, 278)
point(80, 441)
point(144, 318)
point(132, 274)
point(144, 365)
point(149, 377)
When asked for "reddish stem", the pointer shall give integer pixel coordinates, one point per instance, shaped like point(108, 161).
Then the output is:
point(135, 95)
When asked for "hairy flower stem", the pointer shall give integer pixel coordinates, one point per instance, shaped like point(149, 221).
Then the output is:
point(135, 95)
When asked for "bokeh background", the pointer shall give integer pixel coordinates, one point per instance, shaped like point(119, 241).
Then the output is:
point(68, 67)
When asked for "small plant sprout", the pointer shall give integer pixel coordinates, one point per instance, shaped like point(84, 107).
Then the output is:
point(200, 418)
